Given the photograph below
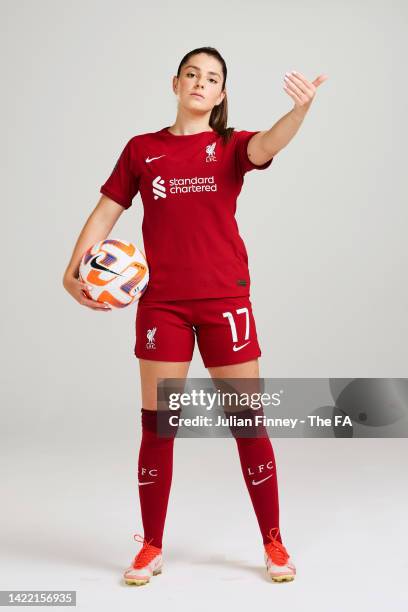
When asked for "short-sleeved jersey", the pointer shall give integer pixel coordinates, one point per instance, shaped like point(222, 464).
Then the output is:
point(189, 186)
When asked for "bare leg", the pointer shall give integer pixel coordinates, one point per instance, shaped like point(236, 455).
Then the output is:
point(248, 369)
point(151, 370)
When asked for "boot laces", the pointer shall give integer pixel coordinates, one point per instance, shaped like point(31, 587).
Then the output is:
point(275, 550)
point(146, 553)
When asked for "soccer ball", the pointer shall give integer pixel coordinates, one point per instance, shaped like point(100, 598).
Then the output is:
point(116, 271)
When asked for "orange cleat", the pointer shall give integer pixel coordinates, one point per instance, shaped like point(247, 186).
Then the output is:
point(147, 563)
point(278, 563)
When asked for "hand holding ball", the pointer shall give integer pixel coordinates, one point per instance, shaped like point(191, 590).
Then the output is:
point(116, 271)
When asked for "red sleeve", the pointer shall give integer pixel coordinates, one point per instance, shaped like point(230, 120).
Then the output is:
point(123, 183)
point(241, 154)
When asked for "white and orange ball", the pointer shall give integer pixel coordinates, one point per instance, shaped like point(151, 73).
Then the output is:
point(116, 271)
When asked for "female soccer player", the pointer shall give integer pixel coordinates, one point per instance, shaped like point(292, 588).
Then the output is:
point(189, 176)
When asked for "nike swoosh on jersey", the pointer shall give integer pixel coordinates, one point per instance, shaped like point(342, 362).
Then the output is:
point(254, 482)
point(149, 159)
point(238, 348)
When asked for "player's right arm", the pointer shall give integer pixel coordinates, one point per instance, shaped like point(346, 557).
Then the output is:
point(97, 227)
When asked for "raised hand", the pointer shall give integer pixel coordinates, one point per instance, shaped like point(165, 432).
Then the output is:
point(300, 89)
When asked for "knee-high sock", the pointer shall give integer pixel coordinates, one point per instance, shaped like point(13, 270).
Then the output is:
point(259, 469)
point(155, 471)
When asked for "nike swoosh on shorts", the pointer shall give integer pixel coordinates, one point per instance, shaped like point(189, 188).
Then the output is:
point(238, 348)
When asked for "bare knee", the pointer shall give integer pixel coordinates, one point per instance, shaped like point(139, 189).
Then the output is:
point(247, 369)
point(151, 371)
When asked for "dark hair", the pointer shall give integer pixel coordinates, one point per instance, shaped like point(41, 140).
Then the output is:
point(219, 114)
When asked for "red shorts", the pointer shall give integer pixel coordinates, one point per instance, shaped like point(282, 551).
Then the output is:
point(224, 327)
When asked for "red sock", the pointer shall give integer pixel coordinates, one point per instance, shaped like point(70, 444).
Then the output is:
point(155, 471)
point(259, 469)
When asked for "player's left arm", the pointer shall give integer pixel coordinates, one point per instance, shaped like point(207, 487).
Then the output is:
point(266, 144)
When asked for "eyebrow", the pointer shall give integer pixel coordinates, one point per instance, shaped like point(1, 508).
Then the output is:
point(197, 68)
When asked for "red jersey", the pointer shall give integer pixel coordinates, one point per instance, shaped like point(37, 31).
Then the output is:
point(189, 186)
